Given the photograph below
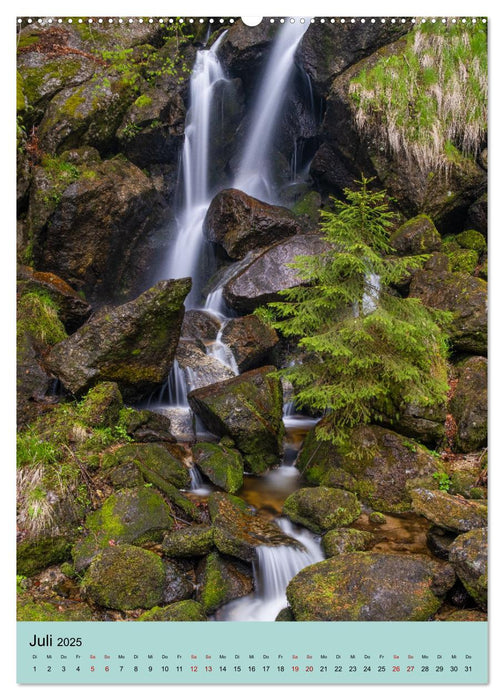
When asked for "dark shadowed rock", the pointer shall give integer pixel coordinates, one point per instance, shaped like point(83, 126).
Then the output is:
point(97, 237)
point(260, 282)
point(133, 344)
point(370, 587)
point(250, 339)
point(241, 223)
point(468, 556)
point(463, 295)
point(248, 408)
point(469, 404)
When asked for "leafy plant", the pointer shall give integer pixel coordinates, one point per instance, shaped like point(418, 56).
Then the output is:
point(444, 481)
point(366, 350)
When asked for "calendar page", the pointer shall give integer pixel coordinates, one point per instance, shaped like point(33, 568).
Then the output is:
point(252, 350)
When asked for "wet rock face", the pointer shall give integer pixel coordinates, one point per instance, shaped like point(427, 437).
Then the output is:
point(469, 404)
point(241, 223)
point(260, 281)
point(200, 369)
point(238, 532)
point(250, 339)
point(244, 50)
point(96, 238)
point(248, 408)
point(125, 577)
point(132, 345)
point(468, 556)
point(370, 587)
point(452, 513)
point(321, 508)
point(465, 297)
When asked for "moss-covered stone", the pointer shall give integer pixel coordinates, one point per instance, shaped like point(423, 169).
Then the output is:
point(123, 518)
point(188, 542)
point(464, 261)
point(248, 408)
point(377, 518)
point(183, 611)
point(370, 587)
point(221, 580)
point(125, 577)
point(152, 458)
point(452, 513)
point(222, 465)
point(379, 465)
point(146, 426)
point(472, 240)
point(468, 555)
point(345, 539)
point(416, 237)
point(285, 615)
point(59, 610)
point(308, 205)
point(321, 508)
point(102, 405)
point(238, 532)
point(33, 555)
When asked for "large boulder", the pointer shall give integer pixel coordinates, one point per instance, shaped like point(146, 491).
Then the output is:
point(221, 580)
point(199, 368)
point(96, 237)
point(468, 556)
point(261, 280)
point(469, 404)
point(346, 539)
point(370, 587)
point(379, 465)
point(251, 341)
point(132, 344)
point(238, 531)
point(195, 541)
point(347, 152)
point(321, 508)
point(416, 237)
point(248, 408)
point(222, 465)
point(465, 297)
point(241, 223)
point(124, 578)
point(452, 513)
point(152, 459)
point(124, 518)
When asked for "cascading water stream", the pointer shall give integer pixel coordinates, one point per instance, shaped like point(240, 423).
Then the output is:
point(185, 255)
point(253, 174)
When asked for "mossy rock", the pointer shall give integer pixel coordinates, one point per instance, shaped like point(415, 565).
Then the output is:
point(222, 465)
point(216, 501)
point(452, 513)
point(33, 555)
point(193, 541)
point(469, 404)
point(377, 518)
point(248, 408)
point(464, 261)
point(124, 578)
point(102, 405)
point(321, 508)
point(416, 237)
point(380, 465)
point(468, 555)
point(183, 611)
point(285, 615)
point(365, 586)
point(466, 616)
point(146, 426)
point(345, 539)
point(472, 240)
point(123, 518)
point(152, 458)
point(309, 205)
point(60, 610)
point(221, 580)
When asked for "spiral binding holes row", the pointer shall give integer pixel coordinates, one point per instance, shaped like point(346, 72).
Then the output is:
point(232, 20)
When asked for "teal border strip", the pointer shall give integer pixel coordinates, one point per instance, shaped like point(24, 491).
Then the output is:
point(252, 652)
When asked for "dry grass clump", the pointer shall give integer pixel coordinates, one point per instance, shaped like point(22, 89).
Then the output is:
point(429, 103)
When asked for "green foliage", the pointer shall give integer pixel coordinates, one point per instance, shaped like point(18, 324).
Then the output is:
point(443, 480)
point(430, 103)
point(38, 316)
point(366, 351)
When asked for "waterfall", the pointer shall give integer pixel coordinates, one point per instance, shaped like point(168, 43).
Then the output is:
point(176, 393)
point(274, 568)
point(253, 175)
point(185, 255)
point(222, 352)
